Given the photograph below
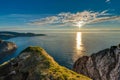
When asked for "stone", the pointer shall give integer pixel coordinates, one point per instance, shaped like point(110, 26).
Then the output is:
point(6, 48)
point(103, 65)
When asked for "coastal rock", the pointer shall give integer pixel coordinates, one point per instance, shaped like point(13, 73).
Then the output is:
point(104, 65)
point(6, 48)
point(35, 64)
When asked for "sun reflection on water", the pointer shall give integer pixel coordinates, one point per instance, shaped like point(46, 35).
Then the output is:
point(79, 40)
point(79, 50)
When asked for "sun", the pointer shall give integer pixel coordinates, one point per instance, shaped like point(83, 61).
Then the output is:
point(79, 24)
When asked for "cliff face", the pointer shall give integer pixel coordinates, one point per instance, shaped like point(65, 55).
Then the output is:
point(104, 65)
point(35, 64)
point(6, 48)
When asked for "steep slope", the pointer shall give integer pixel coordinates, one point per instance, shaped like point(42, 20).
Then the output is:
point(104, 65)
point(35, 64)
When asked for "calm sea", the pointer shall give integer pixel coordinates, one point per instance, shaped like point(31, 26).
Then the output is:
point(66, 47)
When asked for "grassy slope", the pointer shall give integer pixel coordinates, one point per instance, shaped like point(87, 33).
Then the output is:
point(38, 65)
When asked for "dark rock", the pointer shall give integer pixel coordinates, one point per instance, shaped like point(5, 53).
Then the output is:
point(1, 41)
point(104, 65)
point(6, 48)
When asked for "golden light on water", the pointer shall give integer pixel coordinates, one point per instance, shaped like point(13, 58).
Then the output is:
point(79, 50)
point(79, 40)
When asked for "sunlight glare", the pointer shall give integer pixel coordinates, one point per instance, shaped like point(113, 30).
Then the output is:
point(80, 24)
point(79, 47)
point(79, 40)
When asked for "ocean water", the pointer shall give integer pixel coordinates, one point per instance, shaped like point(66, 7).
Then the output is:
point(67, 47)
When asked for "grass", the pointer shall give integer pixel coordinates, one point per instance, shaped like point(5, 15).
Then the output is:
point(40, 66)
point(48, 67)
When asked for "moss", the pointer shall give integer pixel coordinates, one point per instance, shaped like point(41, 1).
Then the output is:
point(52, 68)
point(32, 49)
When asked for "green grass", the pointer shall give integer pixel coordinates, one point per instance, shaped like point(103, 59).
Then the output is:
point(51, 68)
point(41, 66)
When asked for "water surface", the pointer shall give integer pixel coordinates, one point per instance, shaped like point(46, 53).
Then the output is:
point(66, 47)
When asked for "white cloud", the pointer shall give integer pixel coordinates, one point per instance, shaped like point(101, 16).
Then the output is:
point(107, 1)
point(76, 19)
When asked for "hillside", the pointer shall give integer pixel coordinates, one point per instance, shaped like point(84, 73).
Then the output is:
point(35, 64)
point(8, 35)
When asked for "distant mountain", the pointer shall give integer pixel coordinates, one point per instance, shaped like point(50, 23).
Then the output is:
point(104, 65)
point(7, 35)
point(35, 64)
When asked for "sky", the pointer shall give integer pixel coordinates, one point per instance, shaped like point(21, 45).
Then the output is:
point(59, 14)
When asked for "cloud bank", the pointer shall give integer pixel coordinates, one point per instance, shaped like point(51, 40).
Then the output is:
point(76, 19)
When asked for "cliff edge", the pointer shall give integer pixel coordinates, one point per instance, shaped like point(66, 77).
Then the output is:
point(35, 64)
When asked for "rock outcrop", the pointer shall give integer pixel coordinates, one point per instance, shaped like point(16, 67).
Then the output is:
point(104, 65)
point(6, 48)
point(35, 64)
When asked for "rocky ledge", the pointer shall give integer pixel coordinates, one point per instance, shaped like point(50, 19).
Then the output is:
point(35, 64)
point(104, 65)
point(6, 48)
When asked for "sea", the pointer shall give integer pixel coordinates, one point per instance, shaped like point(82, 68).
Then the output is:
point(67, 46)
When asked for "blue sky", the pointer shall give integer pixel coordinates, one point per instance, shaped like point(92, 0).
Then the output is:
point(19, 13)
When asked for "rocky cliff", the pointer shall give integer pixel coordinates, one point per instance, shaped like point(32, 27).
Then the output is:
point(35, 64)
point(104, 65)
point(6, 48)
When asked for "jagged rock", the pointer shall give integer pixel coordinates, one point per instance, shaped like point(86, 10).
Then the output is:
point(6, 48)
point(35, 64)
point(104, 65)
